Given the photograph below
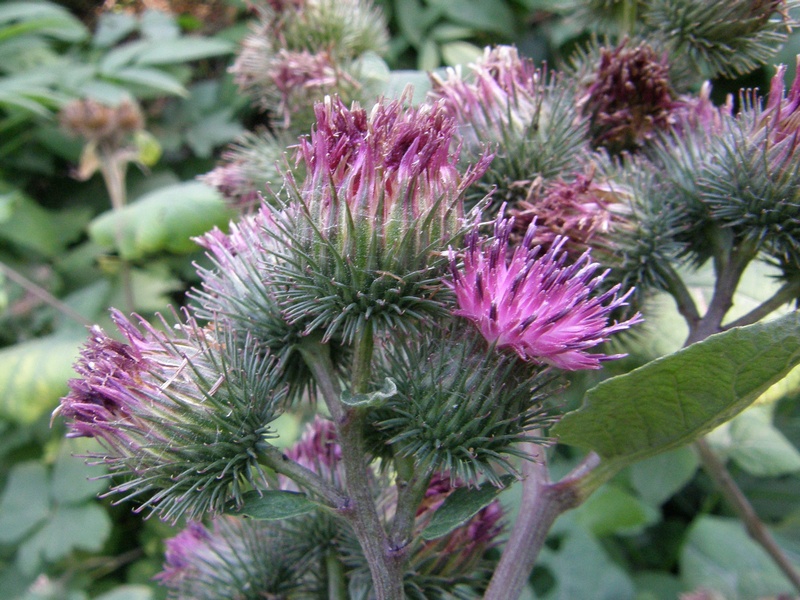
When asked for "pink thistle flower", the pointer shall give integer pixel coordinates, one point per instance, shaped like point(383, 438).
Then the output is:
point(318, 450)
point(525, 115)
point(390, 172)
point(537, 305)
point(183, 413)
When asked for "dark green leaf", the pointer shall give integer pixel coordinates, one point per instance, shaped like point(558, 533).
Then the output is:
point(34, 374)
point(659, 477)
point(460, 507)
point(181, 50)
point(719, 555)
point(274, 505)
point(372, 399)
point(483, 15)
point(676, 399)
point(166, 219)
point(25, 502)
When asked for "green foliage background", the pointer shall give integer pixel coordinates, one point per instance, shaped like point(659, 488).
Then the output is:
point(657, 530)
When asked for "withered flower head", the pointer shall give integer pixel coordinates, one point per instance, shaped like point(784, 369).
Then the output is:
point(630, 98)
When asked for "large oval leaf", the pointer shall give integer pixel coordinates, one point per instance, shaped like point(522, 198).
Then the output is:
point(164, 220)
point(676, 399)
point(34, 374)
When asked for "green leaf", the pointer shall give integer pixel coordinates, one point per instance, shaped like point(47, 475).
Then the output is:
point(34, 374)
point(482, 15)
point(113, 27)
point(158, 25)
point(659, 477)
point(128, 592)
point(582, 569)
point(460, 53)
point(170, 52)
point(612, 510)
point(756, 445)
point(718, 555)
point(25, 502)
point(73, 481)
point(460, 506)
point(164, 220)
point(43, 18)
point(84, 527)
point(399, 80)
point(372, 399)
point(676, 399)
point(274, 505)
point(151, 78)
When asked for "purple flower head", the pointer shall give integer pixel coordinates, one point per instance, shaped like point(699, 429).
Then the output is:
point(699, 113)
point(524, 114)
point(232, 558)
point(781, 115)
point(536, 304)
point(183, 413)
point(181, 553)
point(388, 170)
point(317, 450)
point(505, 92)
point(381, 201)
point(230, 180)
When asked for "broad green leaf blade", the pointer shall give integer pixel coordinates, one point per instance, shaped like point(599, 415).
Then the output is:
point(678, 398)
point(25, 503)
point(274, 505)
point(171, 52)
point(73, 481)
point(34, 374)
point(164, 220)
point(460, 507)
point(719, 555)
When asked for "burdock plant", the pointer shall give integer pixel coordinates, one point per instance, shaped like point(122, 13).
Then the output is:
point(432, 341)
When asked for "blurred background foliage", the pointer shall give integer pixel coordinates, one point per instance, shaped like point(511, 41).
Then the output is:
point(657, 531)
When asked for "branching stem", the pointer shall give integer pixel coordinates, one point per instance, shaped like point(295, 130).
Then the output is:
point(42, 294)
point(740, 504)
point(788, 292)
point(386, 565)
point(542, 503)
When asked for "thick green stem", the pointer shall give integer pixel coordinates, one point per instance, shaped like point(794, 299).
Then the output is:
point(276, 460)
point(386, 565)
point(411, 488)
point(337, 584)
point(542, 502)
